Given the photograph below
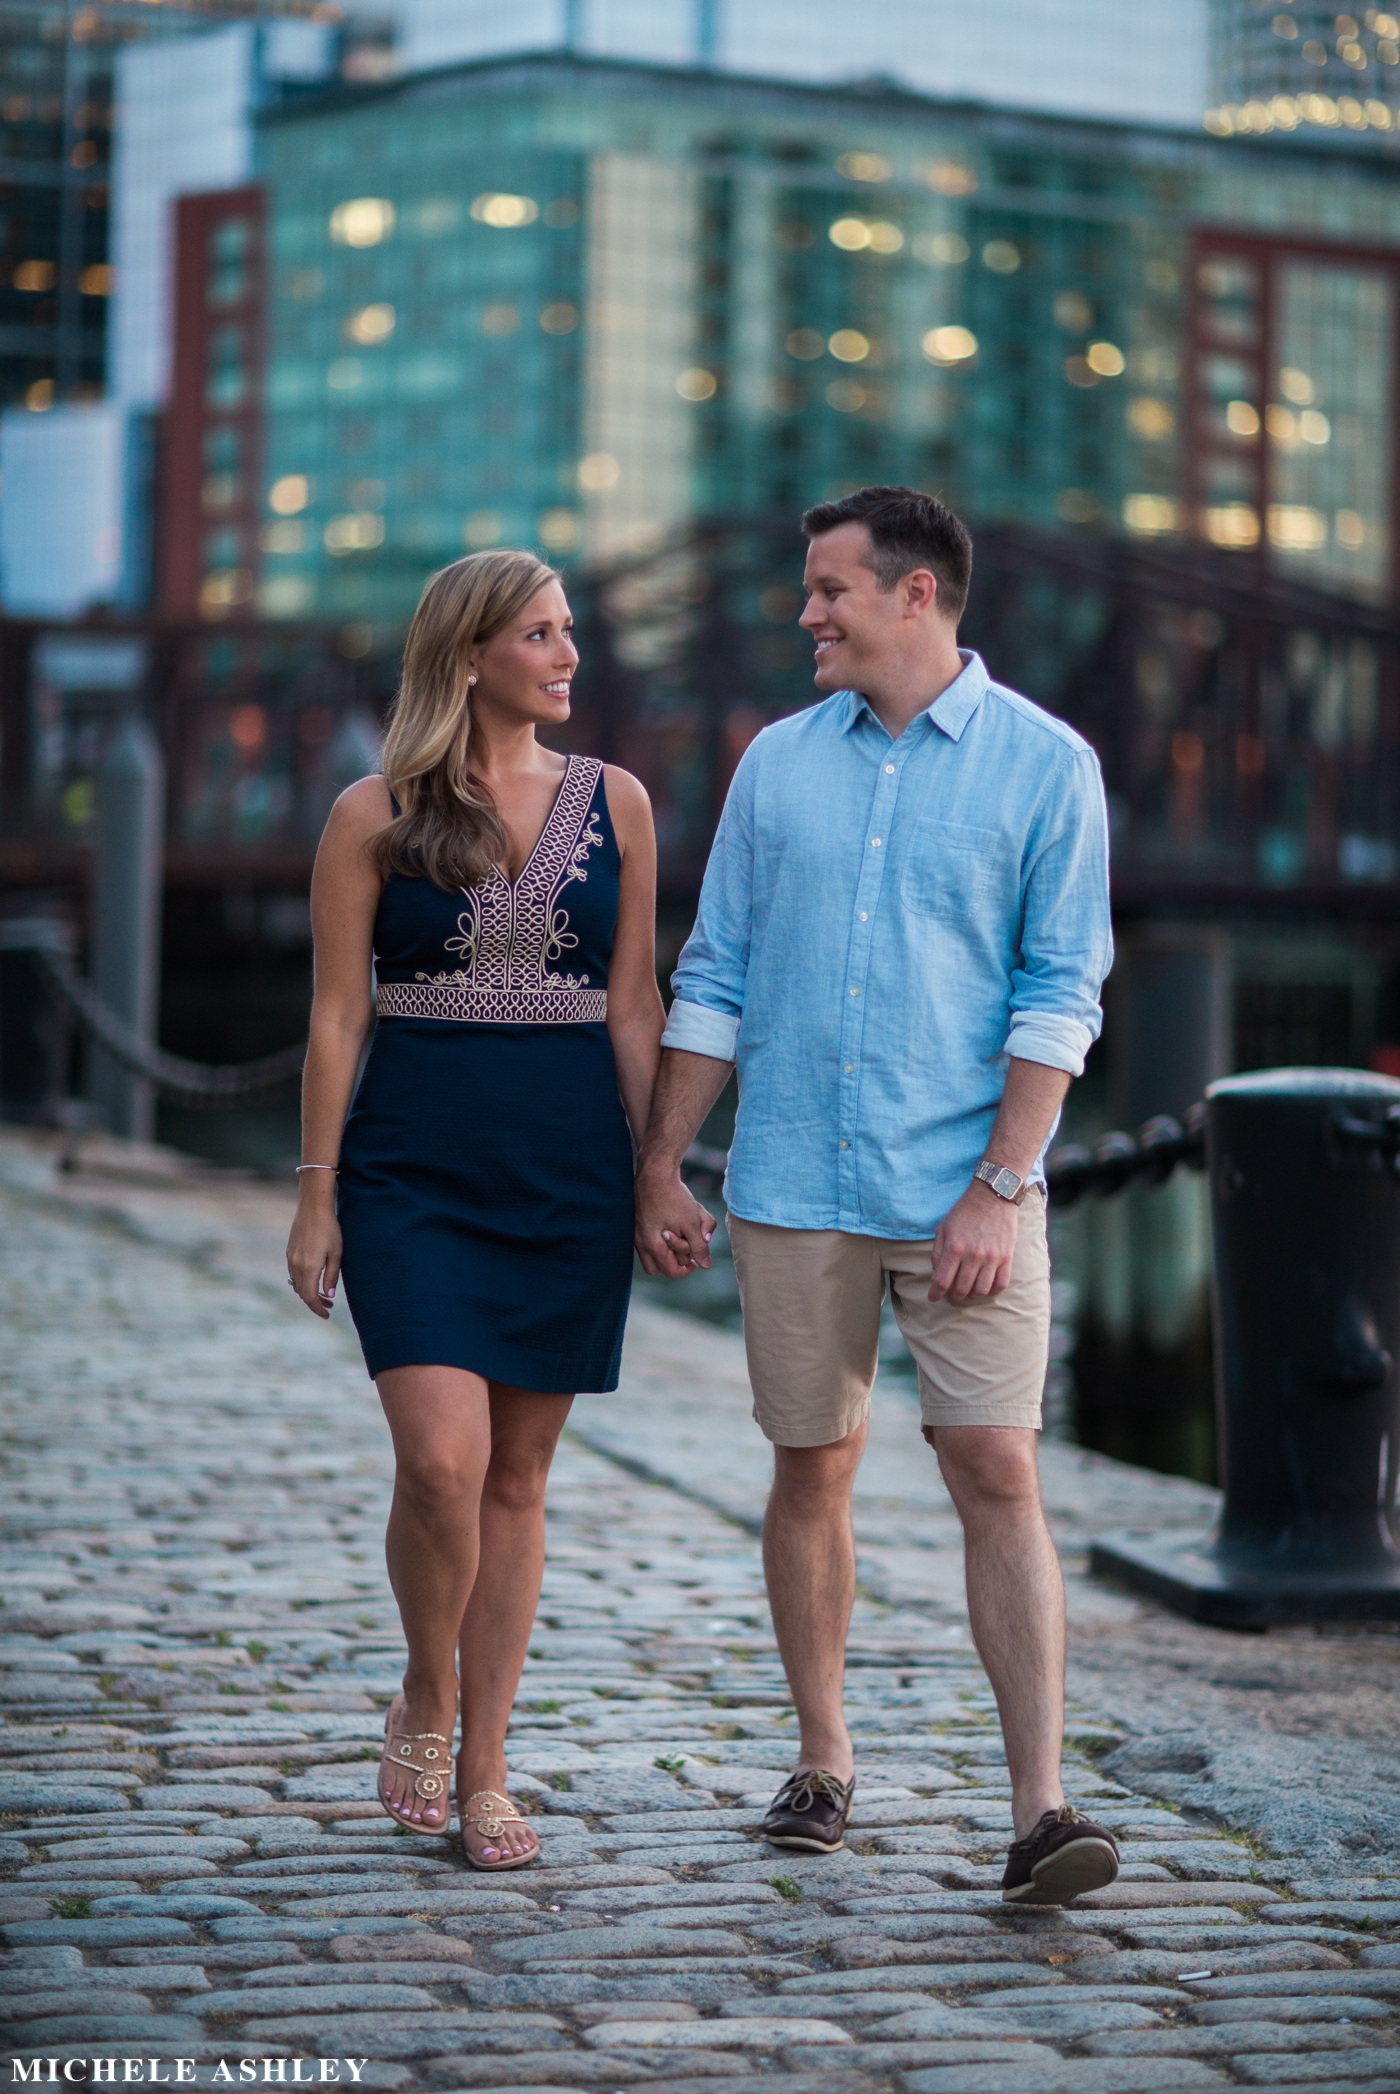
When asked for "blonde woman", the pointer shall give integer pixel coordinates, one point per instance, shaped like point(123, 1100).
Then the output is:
point(478, 1197)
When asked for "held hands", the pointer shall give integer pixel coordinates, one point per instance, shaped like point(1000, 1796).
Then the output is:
point(973, 1247)
point(313, 1249)
point(673, 1230)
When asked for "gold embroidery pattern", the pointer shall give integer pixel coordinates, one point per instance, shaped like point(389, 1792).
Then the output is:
point(511, 932)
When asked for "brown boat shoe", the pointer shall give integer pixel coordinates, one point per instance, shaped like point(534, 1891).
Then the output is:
point(1063, 1855)
point(810, 1810)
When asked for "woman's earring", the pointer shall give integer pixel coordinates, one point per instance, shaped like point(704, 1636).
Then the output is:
point(470, 681)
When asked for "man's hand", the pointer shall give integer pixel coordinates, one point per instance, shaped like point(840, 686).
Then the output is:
point(973, 1247)
point(673, 1230)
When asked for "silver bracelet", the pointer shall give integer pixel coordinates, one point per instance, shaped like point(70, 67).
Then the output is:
point(318, 1167)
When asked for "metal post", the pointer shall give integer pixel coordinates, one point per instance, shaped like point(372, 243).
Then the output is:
point(126, 917)
point(1307, 1249)
point(1142, 1367)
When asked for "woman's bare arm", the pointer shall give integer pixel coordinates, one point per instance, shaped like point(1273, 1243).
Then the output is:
point(345, 889)
point(635, 1012)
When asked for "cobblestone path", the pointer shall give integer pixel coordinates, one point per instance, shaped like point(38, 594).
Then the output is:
point(198, 1644)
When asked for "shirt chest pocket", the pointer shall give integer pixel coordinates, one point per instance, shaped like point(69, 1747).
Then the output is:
point(953, 871)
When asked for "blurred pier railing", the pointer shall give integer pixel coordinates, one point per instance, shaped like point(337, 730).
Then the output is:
point(1249, 726)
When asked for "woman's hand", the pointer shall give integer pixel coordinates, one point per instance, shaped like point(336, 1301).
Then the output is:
point(313, 1248)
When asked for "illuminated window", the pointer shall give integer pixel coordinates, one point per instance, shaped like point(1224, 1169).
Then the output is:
point(557, 530)
point(598, 471)
point(1295, 528)
point(950, 178)
point(864, 167)
point(805, 344)
point(849, 346)
point(289, 495)
point(503, 211)
point(1152, 419)
point(358, 531)
point(372, 323)
point(1001, 257)
point(1151, 514)
point(696, 384)
point(498, 320)
point(560, 317)
point(949, 345)
point(1234, 526)
point(363, 222)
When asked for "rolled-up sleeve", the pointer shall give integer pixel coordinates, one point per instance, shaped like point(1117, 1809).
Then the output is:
point(1066, 936)
point(713, 967)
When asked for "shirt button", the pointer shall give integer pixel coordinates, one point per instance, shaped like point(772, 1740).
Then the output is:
point(845, 1145)
point(850, 1068)
point(889, 770)
point(855, 992)
point(874, 843)
point(864, 915)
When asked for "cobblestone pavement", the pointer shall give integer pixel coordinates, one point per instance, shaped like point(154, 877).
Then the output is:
point(198, 1645)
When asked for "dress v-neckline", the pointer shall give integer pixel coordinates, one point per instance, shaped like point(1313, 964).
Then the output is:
point(505, 878)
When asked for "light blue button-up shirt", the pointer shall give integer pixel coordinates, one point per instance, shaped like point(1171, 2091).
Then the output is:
point(882, 924)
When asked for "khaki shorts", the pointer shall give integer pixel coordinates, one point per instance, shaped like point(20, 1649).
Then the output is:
point(812, 1300)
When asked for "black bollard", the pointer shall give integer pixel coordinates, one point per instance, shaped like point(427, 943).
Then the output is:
point(1305, 1195)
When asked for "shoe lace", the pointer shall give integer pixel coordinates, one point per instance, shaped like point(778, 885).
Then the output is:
point(802, 1790)
point(1065, 1815)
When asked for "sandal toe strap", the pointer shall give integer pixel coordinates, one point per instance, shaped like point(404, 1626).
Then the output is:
point(493, 1820)
point(430, 1768)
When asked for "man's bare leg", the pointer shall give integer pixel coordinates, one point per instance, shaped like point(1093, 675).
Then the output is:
point(809, 1560)
point(1015, 1601)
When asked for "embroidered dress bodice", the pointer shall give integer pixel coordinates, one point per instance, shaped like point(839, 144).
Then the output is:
point(529, 951)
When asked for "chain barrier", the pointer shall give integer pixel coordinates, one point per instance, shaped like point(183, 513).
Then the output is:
point(1153, 1153)
point(211, 1086)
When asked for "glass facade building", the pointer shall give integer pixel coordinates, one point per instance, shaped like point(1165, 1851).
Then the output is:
point(578, 306)
point(1289, 65)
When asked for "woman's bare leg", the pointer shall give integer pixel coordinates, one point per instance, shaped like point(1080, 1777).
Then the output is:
point(495, 1631)
point(440, 1420)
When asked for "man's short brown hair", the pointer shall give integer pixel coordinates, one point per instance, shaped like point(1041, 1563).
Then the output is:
point(907, 530)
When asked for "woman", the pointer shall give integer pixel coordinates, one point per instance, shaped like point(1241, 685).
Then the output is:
point(479, 1195)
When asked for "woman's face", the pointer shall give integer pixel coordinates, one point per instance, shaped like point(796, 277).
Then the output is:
point(524, 672)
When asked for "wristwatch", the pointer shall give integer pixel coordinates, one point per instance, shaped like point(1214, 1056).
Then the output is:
point(1003, 1182)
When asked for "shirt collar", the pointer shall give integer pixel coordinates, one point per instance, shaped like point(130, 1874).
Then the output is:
point(951, 709)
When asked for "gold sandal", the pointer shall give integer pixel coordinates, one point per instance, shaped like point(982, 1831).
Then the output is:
point(491, 1823)
point(431, 1781)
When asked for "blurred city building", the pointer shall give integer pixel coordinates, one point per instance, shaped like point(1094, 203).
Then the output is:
point(381, 297)
point(583, 305)
point(1289, 65)
point(1083, 57)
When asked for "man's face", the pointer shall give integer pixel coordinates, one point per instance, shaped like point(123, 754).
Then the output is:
point(854, 622)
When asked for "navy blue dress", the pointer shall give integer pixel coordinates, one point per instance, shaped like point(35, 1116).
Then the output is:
point(485, 1190)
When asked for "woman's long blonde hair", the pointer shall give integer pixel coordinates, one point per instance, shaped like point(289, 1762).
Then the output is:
point(448, 830)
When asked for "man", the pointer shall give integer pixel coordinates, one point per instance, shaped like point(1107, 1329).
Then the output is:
point(901, 940)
